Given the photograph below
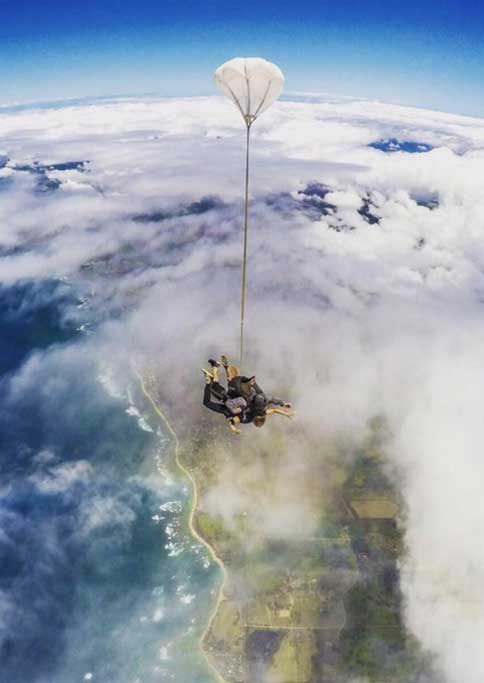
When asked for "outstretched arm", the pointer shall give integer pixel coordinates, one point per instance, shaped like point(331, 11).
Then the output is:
point(287, 412)
point(278, 402)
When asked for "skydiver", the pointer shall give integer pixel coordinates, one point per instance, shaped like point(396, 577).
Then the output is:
point(239, 385)
point(231, 407)
point(243, 401)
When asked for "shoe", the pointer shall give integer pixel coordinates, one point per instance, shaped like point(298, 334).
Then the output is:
point(233, 428)
point(208, 376)
point(213, 363)
point(225, 361)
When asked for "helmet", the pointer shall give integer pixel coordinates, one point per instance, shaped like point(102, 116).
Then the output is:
point(259, 404)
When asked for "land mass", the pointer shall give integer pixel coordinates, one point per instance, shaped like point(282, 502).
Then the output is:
point(308, 536)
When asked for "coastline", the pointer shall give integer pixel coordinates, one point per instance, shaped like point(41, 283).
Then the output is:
point(196, 535)
point(310, 610)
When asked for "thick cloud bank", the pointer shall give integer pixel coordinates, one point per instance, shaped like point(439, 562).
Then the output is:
point(366, 283)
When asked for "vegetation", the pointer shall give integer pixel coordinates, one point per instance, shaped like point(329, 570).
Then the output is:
point(374, 643)
point(324, 606)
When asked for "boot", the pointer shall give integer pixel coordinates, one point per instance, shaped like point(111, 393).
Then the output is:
point(208, 376)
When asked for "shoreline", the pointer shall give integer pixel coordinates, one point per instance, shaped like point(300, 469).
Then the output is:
point(195, 534)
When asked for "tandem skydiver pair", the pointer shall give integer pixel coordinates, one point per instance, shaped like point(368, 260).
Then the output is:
point(243, 401)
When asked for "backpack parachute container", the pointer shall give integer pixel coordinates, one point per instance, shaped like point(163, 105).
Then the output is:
point(253, 84)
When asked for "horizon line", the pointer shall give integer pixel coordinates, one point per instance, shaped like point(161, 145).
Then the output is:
point(18, 105)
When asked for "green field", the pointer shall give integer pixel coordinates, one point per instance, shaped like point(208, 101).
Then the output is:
point(319, 605)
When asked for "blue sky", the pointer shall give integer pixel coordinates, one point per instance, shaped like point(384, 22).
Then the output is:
point(429, 53)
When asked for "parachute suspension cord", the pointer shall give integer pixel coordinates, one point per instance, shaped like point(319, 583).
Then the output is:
point(244, 260)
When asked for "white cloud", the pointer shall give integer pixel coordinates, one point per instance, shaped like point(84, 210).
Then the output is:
point(61, 477)
point(104, 511)
point(350, 318)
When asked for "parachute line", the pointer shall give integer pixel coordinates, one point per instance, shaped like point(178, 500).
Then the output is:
point(234, 97)
point(246, 231)
point(248, 89)
point(263, 99)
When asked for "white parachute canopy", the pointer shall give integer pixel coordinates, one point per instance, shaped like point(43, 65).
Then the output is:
point(252, 83)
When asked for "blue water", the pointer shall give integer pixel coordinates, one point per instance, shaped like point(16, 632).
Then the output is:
point(99, 578)
point(393, 145)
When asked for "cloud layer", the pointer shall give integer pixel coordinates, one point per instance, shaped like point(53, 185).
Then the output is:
point(365, 285)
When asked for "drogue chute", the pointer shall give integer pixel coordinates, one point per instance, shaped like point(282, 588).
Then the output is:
point(253, 84)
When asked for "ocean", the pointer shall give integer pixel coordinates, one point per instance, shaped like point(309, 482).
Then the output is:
point(100, 579)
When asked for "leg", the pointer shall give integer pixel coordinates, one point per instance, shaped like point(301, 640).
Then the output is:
point(218, 391)
point(211, 405)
